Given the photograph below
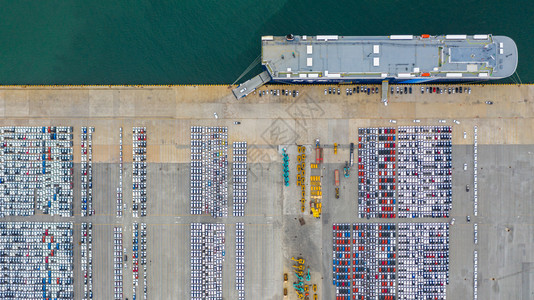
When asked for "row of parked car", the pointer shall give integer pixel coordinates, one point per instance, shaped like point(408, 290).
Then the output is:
point(376, 172)
point(353, 90)
point(240, 260)
point(209, 171)
point(37, 260)
point(207, 258)
point(139, 205)
point(87, 259)
point(424, 171)
point(341, 260)
point(475, 274)
point(86, 170)
point(423, 260)
point(239, 178)
point(373, 261)
point(119, 188)
point(36, 164)
point(475, 168)
point(431, 90)
point(293, 93)
point(118, 263)
point(139, 242)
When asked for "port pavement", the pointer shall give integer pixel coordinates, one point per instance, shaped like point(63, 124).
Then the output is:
point(273, 233)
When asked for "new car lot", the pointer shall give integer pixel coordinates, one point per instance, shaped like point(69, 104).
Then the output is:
point(118, 263)
point(376, 172)
point(423, 260)
point(209, 170)
point(86, 248)
point(239, 178)
point(37, 163)
point(37, 260)
point(139, 140)
point(240, 260)
point(86, 170)
point(424, 171)
point(207, 257)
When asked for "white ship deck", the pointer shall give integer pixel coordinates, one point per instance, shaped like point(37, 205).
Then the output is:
point(342, 58)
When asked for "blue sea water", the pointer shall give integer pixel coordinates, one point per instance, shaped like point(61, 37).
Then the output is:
point(207, 41)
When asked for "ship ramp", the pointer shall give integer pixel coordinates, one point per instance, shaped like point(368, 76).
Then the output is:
point(250, 85)
point(385, 85)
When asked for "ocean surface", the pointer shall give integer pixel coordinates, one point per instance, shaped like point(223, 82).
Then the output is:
point(209, 42)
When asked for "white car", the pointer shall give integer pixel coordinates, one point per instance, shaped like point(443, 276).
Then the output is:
point(456, 122)
point(417, 121)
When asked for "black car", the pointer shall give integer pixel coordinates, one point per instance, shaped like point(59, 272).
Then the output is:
point(330, 90)
point(392, 90)
point(410, 90)
point(460, 90)
point(406, 90)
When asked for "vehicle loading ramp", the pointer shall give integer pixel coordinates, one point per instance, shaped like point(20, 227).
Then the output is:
point(385, 85)
point(250, 85)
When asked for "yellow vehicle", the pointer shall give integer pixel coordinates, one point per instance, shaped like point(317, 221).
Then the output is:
point(285, 277)
point(298, 260)
point(335, 148)
point(314, 296)
point(315, 287)
point(285, 292)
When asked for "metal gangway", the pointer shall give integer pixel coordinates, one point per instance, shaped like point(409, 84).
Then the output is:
point(249, 86)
